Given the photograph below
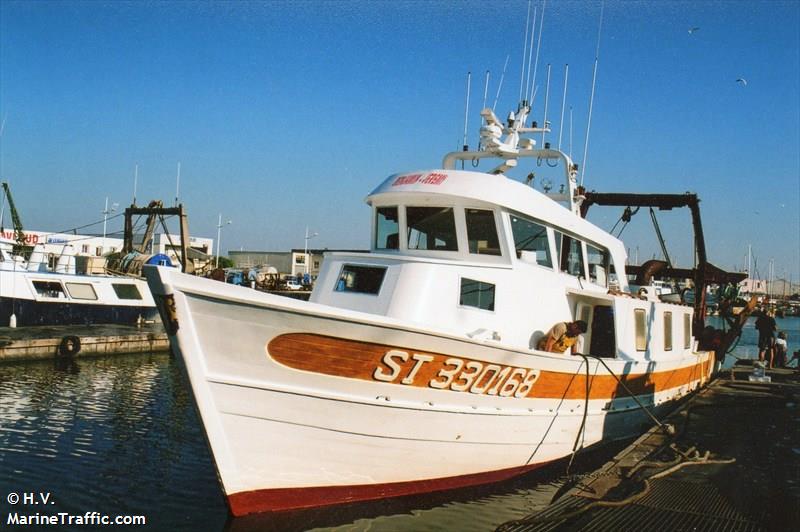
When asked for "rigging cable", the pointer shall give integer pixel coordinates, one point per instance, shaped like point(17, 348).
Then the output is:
point(660, 238)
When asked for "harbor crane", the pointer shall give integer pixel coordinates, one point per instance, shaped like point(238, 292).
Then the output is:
point(19, 234)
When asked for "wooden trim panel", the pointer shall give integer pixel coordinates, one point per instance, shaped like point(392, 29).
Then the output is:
point(366, 361)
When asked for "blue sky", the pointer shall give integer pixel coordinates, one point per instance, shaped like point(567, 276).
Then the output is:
point(286, 114)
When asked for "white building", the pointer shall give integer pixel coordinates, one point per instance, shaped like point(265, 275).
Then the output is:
point(54, 243)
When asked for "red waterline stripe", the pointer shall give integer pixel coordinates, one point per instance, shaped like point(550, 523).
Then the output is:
point(279, 499)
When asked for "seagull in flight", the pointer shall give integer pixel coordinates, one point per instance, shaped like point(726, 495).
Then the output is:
point(742, 81)
point(693, 29)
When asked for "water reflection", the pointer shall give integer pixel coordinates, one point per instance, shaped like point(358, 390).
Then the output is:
point(114, 435)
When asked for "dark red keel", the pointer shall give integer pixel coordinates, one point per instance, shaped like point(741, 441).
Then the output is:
point(279, 499)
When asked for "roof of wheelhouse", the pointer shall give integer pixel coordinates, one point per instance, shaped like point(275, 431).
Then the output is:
point(495, 189)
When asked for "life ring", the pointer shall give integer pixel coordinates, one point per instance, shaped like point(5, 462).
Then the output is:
point(69, 346)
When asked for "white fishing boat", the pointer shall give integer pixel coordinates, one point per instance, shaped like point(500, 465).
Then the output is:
point(415, 367)
point(32, 293)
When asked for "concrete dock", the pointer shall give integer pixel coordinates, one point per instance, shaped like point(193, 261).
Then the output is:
point(733, 464)
point(41, 343)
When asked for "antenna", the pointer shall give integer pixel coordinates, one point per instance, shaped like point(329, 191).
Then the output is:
point(485, 90)
point(466, 110)
point(525, 49)
point(178, 185)
point(500, 86)
point(538, 45)
point(591, 98)
point(485, 96)
point(570, 132)
point(135, 180)
point(563, 104)
point(546, 100)
point(530, 51)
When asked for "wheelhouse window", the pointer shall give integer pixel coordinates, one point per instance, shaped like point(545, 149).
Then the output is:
point(570, 254)
point(81, 291)
point(482, 232)
point(126, 291)
point(360, 279)
point(598, 260)
point(531, 236)
point(668, 331)
point(49, 289)
point(477, 294)
point(640, 324)
point(387, 228)
point(432, 228)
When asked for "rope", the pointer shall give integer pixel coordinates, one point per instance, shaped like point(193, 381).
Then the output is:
point(668, 429)
point(583, 419)
point(696, 459)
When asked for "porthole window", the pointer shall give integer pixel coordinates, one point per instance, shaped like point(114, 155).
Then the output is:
point(640, 323)
point(477, 294)
point(687, 331)
point(668, 331)
point(360, 279)
point(81, 291)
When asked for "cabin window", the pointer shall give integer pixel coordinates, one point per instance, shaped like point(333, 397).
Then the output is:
point(570, 253)
point(687, 331)
point(432, 228)
point(640, 325)
point(598, 264)
point(482, 232)
point(532, 237)
point(387, 228)
point(126, 291)
point(477, 294)
point(360, 279)
point(81, 291)
point(49, 289)
point(668, 331)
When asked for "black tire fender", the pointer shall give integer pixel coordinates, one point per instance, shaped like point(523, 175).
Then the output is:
point(69, 346)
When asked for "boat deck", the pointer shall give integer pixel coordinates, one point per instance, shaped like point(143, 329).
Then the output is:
point(733, 464)
point(45, 342)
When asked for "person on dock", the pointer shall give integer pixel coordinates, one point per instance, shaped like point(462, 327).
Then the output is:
point(781, 350)
point(562, 336)
point(766, 326)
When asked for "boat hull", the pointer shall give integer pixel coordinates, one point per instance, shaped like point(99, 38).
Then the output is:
point(45, 298)
point(30, 312)
point(304, 405)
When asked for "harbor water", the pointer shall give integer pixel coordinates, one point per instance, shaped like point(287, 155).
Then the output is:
point(119, 436)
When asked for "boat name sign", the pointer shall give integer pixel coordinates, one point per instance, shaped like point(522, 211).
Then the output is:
point(433, 178)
